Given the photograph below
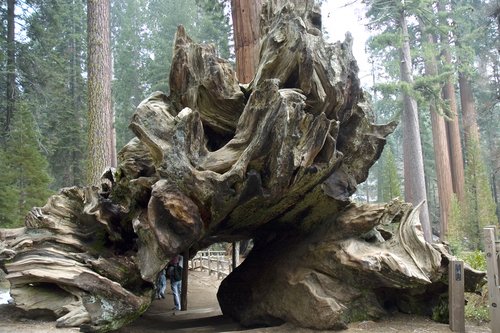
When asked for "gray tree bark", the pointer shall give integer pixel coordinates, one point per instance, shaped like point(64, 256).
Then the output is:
point(414, 178)
point(100, 134)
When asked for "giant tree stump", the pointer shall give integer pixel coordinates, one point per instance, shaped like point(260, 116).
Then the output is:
point(275, 160)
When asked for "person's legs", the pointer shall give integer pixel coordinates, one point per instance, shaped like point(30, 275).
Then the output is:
point(176, 290)
point(162, 287)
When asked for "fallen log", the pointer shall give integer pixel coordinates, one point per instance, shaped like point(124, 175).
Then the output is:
point(276, 161)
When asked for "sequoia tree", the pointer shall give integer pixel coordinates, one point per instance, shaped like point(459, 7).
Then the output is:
point(246, 26)
point(452, 125)
point(439, 138)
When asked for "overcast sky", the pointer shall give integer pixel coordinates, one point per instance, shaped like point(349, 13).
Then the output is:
point(338, 18)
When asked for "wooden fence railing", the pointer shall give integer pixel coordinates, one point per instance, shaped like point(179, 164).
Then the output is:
point(492, 249)
point(215, 262)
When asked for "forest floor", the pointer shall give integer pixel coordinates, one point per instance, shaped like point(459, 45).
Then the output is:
point(204, 315)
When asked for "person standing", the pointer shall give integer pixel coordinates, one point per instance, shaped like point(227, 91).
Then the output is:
point(161, 283)
point(174, 271)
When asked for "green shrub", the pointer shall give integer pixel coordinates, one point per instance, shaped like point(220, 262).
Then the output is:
point(475, 259)
point(476, 309)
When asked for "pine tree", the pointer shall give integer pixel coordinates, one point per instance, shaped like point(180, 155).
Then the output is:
point(162, 18)
point(9, 194)
point(457, 228)
point(480, 207)
point(142, 33)
point(51, 75)
point(214, 23)
point(3, 65)
point(389, 183)
point(390, 165)
point(129, 60)
point(26, 179)
point(10, 93)
point(392, 17)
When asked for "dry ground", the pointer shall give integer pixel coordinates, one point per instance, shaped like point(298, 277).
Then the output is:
point(204, 315)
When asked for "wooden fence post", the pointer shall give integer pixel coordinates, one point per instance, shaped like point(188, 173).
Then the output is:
point(209, 265)
point(236, 254)
point(492, 256)
point(456, 305)
point(184, 282)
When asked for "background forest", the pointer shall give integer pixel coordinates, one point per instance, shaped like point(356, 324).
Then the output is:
point(435, 67)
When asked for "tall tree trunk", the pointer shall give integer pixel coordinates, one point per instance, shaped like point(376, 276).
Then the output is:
point(11, 64)
point(469, 115)
point(112, 138)
point(99, 89)
point(440, 143)
point(112, 130)
point(452, 125)
point(246, 26)
point(412, 148)
point(69, 173)
point(443, 169)
point(453, 135)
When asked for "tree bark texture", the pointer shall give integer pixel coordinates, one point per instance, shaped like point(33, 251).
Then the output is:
point(454, 142)
point(413, 163)
point(469, 115)
point(275, 161)
point(246, 29)
point(440, 144)
point(452, 125)
point(99, 154)
point(11, 64)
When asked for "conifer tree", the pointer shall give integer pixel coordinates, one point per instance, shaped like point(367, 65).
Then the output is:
point(142, 34)
point(100, 144)
point(51, 74)
point(3, 65)
point(129, 56)
point(475, 32)
point(391, 16)
point(214, 20)
point(9, 194)
point(457, 228)
point(451, 109)
point(10, 93)
point(480, 206)
point(26, 179)
point(439, 138)
point(389, 183)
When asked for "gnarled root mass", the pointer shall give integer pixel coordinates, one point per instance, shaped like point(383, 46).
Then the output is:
point(275, 160)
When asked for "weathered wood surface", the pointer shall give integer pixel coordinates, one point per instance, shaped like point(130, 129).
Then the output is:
point(368, 260)
point(275, 160)
point(492, 249)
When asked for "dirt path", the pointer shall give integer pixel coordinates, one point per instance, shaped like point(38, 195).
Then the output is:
point(204, 315)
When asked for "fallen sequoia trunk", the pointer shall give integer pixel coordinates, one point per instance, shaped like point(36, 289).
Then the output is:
point(275, 160)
